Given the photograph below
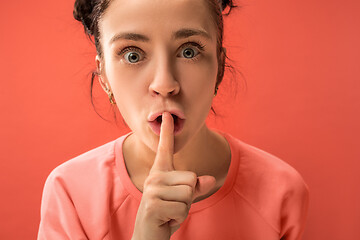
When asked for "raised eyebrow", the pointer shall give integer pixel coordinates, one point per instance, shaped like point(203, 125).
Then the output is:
point(182, 33)
point(188, 32)
point(129, 36)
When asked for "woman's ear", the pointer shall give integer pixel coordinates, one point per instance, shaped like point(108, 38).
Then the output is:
point(100, 72)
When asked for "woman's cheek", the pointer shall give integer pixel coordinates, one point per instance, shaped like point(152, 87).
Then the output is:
point(199, 78)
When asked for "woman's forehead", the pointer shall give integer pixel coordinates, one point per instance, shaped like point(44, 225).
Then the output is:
point(156, 17)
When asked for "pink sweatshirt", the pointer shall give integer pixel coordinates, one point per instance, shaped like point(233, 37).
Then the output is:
point(92, 197)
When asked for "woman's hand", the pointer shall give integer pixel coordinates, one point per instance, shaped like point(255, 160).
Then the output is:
point(168, 194)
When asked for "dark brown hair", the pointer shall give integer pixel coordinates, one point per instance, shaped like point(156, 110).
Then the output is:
point(89, 12)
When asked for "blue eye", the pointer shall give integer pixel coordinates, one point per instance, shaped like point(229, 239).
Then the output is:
point(132, 57)
point(191, 50)
point(189, 53)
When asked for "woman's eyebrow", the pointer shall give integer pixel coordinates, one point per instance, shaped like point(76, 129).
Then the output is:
point(129, 36)
point(188, 32)
point(182, 33)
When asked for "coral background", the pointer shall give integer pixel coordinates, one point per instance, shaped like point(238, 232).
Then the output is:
point(296, 95)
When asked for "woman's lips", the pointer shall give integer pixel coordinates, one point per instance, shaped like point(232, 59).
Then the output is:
point(155, 125)
point(175, 112)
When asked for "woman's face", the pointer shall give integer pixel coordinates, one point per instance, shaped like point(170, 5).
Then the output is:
point(158, 56)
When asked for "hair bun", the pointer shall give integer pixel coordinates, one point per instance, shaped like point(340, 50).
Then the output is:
point(82, 11)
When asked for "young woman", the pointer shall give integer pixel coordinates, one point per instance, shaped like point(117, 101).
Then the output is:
point(161, 62)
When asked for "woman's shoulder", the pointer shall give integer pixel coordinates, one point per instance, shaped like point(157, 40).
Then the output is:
point(94, 168)
point(261, 166)
point(89, 161)
point(87, 188)
point(267, 183)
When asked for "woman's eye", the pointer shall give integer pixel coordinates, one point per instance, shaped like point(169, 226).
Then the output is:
point(132, 57)
point(189, 52)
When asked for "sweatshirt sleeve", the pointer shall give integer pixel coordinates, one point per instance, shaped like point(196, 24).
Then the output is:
point(294, 211)
point(59, 219)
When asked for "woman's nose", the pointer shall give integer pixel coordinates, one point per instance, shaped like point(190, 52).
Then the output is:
point(164, 82)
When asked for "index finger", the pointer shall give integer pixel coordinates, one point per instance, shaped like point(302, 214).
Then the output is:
point(165, 151)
